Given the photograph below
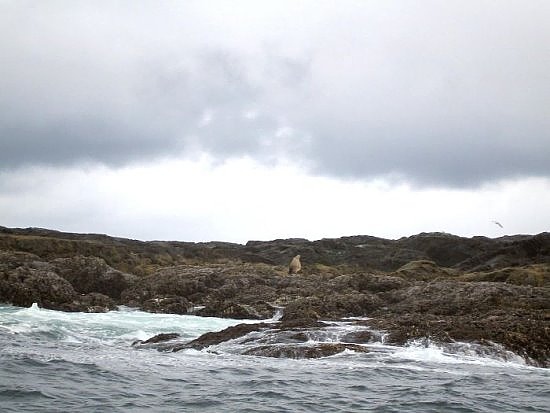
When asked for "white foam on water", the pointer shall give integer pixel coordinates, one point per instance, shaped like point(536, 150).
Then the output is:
point(461, 353)
point(115, 327)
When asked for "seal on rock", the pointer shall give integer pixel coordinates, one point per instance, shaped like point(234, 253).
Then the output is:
point(294, 265)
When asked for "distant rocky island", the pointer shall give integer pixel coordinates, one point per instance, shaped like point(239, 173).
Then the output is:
point(431, 286)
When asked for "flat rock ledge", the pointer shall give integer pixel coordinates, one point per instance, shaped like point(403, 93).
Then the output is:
point(286, 342)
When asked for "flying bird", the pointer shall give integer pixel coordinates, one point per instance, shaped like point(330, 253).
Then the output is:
point(498, 223)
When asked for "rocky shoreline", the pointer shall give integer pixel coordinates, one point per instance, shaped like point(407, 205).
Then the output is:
point(438, 287)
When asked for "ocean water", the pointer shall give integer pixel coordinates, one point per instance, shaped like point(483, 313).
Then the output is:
point(64, 362)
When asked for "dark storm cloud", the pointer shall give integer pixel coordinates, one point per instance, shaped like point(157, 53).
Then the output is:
point(441, 94)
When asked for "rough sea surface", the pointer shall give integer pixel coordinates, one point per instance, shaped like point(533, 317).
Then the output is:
point(62, 362)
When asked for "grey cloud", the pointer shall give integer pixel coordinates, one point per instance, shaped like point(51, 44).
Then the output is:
point(462, 158)
point(440, 95)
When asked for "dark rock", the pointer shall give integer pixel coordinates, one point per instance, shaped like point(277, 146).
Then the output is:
point(231, 309)
point(213, 338)
point(511, 315)
point(537, 275)
point(457, 298)
point(445, 249)
point(189, 282)
point(92, 274)
point(229, 333)
point(300, 323)
point(303, 351)
point(364, 282)
point(360, 337)
point(509, 252)
point(143, 258)
point(24, 286)
point(300, 336)
point(424, 270)
point(159, 338)
point(332, 306)
point(10, 260)
point(92, 303)
point(525, 333)
point(167, 305)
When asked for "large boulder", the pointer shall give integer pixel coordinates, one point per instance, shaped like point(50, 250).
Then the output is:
point(92, 274)
point(26, 279)
point(24, 286)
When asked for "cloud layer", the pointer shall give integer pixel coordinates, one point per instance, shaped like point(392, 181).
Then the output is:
point(243, 200)
point(436, 94)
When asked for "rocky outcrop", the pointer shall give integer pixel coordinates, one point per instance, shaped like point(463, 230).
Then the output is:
point(517, 317)
point(445, 311)
point(92, 274)
point(363, 252)
point(24, 286)
point(279, 340)
point(25, 279)
point(431, 285)
point(525, 333)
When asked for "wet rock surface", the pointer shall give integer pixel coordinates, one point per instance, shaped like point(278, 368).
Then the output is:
point(300, 352)
point(435, 286)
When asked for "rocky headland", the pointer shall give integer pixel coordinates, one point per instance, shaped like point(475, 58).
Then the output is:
point(494, 293)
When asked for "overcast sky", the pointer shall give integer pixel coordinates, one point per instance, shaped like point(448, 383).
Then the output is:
point(238, 120)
